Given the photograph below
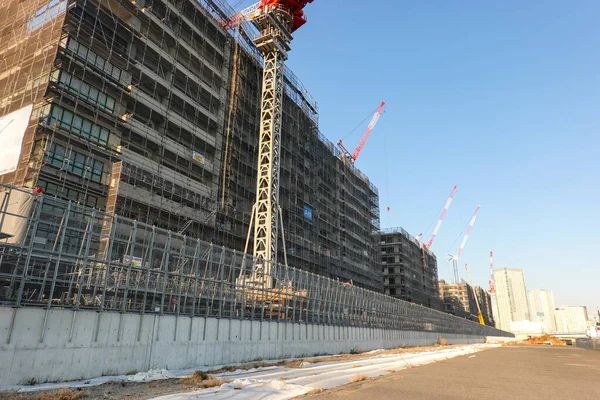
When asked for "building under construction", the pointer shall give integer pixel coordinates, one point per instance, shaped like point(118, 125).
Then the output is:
point(459, 299)
point(150, 110)
point(410, 271)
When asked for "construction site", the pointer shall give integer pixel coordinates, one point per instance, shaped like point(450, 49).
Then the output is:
point(150, 110)
point(160, 161)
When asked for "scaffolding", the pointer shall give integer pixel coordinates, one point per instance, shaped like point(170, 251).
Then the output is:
point(150, 110)
point(410, 270)
point(58, 254)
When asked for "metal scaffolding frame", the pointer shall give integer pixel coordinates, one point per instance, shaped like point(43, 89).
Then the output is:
point(61, 254)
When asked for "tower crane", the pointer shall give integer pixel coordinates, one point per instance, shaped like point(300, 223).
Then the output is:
point(492, 288)
point(352, 157)
point(454, 258)
point(276, 20)
point(479, 314)
point(440, 220)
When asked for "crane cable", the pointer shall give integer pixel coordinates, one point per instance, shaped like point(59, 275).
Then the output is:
point(387, 176)
point(370, 115)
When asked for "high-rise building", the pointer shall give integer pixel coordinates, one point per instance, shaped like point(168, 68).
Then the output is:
point(511, 297)
point(571, 319)
point(150, 109)
point(459, 299)
point(541, 307)
point(410, 271)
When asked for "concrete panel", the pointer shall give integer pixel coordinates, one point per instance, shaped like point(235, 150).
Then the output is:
point(133, 342)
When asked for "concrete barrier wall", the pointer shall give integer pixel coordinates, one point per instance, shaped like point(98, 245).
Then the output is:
point(60, 345)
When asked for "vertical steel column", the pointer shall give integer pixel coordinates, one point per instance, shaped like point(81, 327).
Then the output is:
point(111, 242)
point(86, 255)
point(30, 232)
point(132, 239)
point(148, 260)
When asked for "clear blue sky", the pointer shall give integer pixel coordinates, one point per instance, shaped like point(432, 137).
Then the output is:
point(499, 98)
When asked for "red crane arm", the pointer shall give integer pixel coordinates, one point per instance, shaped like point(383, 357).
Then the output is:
point(368, 131)
point(441, 219)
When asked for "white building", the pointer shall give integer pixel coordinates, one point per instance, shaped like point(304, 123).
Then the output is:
point(541, 308)
point(511, 297)
point(571, 319)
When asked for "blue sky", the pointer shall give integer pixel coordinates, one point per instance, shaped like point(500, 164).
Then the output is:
point(499, 98)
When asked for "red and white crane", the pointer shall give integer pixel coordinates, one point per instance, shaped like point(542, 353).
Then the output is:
point(352, 157)
point(454, 258)
point(276, 20)
point(440, 220)
point(492, 288)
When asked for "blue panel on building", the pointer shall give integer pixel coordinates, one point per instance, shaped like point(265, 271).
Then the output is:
point(308, 213)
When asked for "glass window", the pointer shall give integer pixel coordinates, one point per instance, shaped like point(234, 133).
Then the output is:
point(56, 155)
point(110, 103)
point(86, 127)
point(78, 165)
point(93, 93)
point(78, 124)
point(67, 118)
point(104, 136)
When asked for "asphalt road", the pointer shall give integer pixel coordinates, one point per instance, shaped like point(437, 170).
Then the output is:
point(507, 373)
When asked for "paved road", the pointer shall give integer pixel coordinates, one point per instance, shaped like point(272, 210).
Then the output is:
point(507, 373)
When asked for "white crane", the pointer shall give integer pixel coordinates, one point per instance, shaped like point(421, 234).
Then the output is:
point(454, 258)
point(440, 220)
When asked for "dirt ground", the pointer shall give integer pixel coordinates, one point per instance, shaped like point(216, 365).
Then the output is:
point(145, 390)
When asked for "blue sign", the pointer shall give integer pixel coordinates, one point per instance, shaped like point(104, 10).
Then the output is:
point(308, 213)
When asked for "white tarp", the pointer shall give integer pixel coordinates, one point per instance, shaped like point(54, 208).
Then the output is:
point(279, 382)
point(12, 130)
point(14, 214)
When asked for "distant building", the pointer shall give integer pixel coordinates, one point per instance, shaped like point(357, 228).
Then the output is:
point(459, 299)
point(511, 297)
point(524, 329)
point(410, 271)
point(541, 306)
point(571, 319)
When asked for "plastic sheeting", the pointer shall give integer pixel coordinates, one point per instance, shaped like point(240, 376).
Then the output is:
point(15, 208)
point(12, 131)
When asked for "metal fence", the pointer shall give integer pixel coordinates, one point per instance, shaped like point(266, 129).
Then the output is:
point(55, 253)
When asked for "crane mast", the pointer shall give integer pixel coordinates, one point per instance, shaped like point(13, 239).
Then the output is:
point(276, 20)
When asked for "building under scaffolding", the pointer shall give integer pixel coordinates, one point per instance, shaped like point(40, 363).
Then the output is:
point(459, 300)
point(150, 110)
point(410, 271)
point(58, 254)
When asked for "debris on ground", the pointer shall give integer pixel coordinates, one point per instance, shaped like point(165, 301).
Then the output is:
point(548, 340)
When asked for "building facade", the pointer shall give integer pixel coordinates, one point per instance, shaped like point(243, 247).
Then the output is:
point(410, 271)
point(541, 307)
point(150, 110)
point(571, 319)
point(459, 299)
point(511, 297)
